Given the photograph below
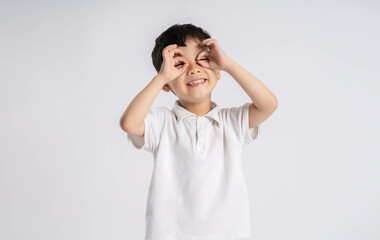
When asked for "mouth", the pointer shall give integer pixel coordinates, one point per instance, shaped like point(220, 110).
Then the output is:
point(196, 83)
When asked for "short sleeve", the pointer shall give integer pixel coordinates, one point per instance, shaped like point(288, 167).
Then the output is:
point(154, 121)
point(237, 119)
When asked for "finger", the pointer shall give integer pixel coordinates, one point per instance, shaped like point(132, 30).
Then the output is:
point(171, 46)
point(204, 64)
point(168, 48)
point(176, 50)
point(203, 54)
point(206, 41)
point(184, 66)
point(181, 59)
point(211, 42)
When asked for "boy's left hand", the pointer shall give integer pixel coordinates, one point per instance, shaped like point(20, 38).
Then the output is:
point(218, 60)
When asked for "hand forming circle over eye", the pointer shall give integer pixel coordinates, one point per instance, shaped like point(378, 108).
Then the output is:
point(170, 69)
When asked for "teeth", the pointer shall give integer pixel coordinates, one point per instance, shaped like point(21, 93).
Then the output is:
point(196, 82)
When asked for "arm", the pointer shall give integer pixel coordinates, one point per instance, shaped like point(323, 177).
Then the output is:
point(264, 103)
point(132, 120)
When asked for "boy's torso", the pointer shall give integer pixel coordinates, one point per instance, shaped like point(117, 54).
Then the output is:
point(197, 186)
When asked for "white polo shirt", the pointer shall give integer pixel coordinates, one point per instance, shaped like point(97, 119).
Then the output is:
point(197, 190)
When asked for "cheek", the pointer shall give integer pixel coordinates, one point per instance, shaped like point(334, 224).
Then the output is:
point(180, 79)
point(176, 83)
point(212, 73)
point(206, 64)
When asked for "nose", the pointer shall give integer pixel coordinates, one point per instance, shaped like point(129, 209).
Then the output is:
point(194, 68)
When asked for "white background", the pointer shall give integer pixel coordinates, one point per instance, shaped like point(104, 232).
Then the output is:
point(68, 70)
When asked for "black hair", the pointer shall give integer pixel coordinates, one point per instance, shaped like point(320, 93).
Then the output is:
point(176, 34)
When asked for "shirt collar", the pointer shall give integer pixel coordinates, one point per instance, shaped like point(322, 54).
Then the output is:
point(181, 112)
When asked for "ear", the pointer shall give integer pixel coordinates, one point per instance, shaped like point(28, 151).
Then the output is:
point(166, 88)
point(218, 74)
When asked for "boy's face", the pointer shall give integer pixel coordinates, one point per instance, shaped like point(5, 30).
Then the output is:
point(193, 94)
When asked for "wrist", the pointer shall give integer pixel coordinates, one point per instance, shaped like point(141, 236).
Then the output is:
point(161, 79)
point(230, 66)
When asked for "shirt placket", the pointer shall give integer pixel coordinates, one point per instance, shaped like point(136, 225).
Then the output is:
point(199, 134)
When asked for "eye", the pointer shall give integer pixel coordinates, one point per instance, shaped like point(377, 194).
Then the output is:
point(206, 59)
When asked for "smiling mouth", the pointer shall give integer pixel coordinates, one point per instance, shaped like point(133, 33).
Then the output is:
point(197, 83)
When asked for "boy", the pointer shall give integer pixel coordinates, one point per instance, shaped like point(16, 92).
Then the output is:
point(197, 190)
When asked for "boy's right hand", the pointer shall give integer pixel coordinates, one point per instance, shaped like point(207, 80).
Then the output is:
point(171, 66)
